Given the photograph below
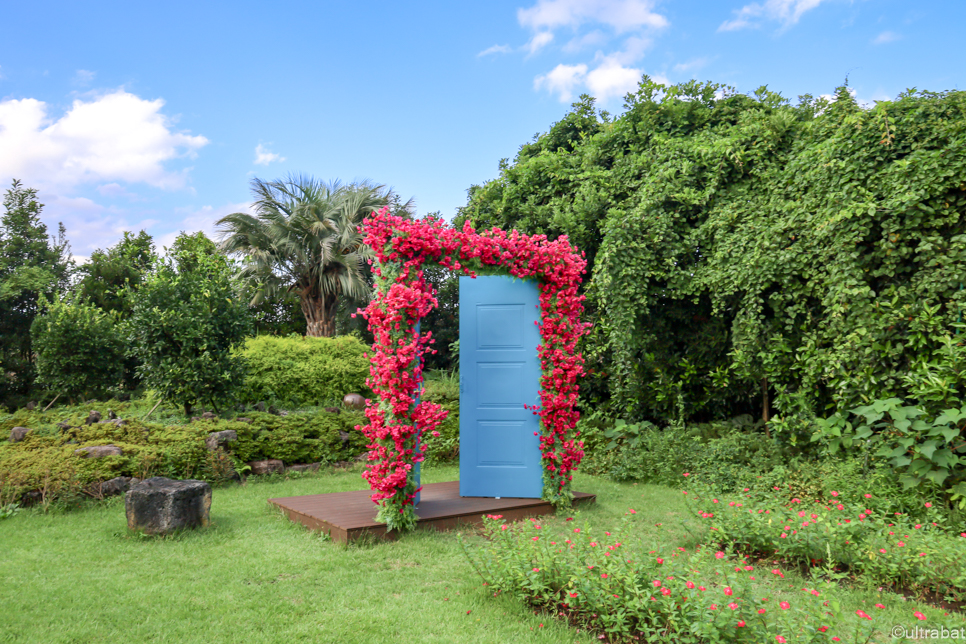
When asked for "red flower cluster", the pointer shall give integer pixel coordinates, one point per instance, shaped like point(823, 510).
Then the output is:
point(403, 297)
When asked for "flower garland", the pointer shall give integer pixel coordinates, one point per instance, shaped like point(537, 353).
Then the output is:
point(403, 297)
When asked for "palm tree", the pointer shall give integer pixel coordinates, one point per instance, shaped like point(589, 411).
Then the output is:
point(304, 239)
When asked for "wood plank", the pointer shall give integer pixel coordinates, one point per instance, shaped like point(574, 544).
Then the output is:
point(347, 516)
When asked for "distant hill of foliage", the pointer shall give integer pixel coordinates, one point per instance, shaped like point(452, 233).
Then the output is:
point(747, 254)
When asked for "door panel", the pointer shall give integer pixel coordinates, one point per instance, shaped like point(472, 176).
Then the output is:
point(499, 373)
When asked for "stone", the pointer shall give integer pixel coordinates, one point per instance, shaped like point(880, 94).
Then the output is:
point(209, 416)
point(260, 406)
point(283, 413)
point(354, 401)
point(303, 467)
point(111, 415)
point(93, 417)
point(17, 434)
point(333, 410)
point(112, 487)
point(221, 439)
point(160, 505)
point(32, 405)
point(241, 419)
point(99, 451)
point(63, 426)
point(268, 466)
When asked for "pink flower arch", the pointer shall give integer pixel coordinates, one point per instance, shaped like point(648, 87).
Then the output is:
point(403, 297)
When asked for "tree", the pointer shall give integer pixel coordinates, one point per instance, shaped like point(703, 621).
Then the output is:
point(304, 239)
point(79, 349)
point(109, 273)
point(31, 265)
point(185, 321)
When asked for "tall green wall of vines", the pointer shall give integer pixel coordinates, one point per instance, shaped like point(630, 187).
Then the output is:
point(748, 255)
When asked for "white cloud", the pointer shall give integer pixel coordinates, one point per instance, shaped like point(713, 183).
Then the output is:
point(562, 80)
point(611, 79)
point(495, 49)
point(114, 137)
point(117, 190)
point(886, 37)
point(540, 39)
point(622, 15)
point(264, 157)
point(691, 65)
point(787, 12)
point(83, 77)
point(591, 39)
point(200, 219)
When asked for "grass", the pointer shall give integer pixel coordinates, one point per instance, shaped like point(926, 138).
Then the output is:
point(253, 576)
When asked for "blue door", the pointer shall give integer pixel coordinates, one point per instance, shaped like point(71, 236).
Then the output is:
point(499, 373)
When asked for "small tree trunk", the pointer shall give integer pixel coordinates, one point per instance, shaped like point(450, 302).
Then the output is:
point(765, 405)
point(187, 409)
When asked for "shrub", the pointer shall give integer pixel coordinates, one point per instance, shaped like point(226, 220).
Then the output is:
point(303, 370)
point(79, 349)
point(731, 453)
point(44, 466)
point(859, 528)
point(633, 592)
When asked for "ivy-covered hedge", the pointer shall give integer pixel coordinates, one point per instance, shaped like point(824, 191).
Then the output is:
point(44, 465)
point(751, 255)
point(300, 370)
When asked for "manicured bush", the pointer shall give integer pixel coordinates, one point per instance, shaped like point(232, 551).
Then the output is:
point(79, 349)
point(636, 592)
point(303, 370)
point(859, 528)
point(44, 466)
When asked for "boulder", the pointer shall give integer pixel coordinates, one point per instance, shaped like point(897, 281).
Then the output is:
point(32, 405)
point(63, 427)
point(99, 451)
point(221, 439)
point(268, 466)
point(303, 467)
point(93, 417)
point(160, 505)
point(354, 401)
point(113, 487)
point(17, 434)
point(209, 416)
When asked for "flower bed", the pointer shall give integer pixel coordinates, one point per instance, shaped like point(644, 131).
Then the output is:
point(633, 593)
point(854, 530)
point(403, 297)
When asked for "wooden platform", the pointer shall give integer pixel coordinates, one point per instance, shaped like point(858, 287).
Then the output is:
point(347, 516)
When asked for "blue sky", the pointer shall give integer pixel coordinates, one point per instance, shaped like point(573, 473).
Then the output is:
point(128, 116)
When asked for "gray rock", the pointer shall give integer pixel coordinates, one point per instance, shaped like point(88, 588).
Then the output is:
point(242, 419)
point(354, 401)
point(303, 467)
point(268, 466)
point(209, 416)
point(221, 439)
point(99, 451)
point(93, 417)
point(283, 413)
point(32, 405)
point(17, 434)
point(63, 426)
point(113, 487)
point(333, 410)
point(111, 415)
point(159, 505)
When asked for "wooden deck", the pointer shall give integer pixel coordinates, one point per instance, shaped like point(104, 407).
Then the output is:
point(347, 516)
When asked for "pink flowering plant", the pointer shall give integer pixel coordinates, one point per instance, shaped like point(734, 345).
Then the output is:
point(852, 531)
point(403, 297)
point(628, 591)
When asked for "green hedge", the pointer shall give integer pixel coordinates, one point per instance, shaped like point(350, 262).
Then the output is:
point(45, 461)
point(303, 370)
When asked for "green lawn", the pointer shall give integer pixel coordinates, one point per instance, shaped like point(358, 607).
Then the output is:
point(253, 576)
